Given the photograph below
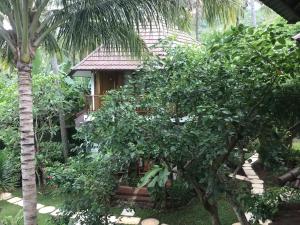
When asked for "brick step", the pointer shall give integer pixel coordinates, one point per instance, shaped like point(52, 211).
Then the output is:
point(132, 191)
point(133, 198)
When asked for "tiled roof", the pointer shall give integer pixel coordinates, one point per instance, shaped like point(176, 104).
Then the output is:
point(102, 59)
point(288, 9)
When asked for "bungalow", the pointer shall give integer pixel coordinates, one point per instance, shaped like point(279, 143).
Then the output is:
point(110, 69)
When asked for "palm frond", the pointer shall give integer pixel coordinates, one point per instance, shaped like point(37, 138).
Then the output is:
point(225, 11)
point(6, 54)
point(113, 23)
point(51, 45)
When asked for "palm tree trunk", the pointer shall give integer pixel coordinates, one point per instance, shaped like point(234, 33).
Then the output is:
point(27, 144)
point(197, 21)
point(253, 13)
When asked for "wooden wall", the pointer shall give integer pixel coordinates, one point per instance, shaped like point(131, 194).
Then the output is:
point(105, 81)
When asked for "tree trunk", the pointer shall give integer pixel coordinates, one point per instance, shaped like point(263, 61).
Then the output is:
point(62, 122)
point(197, 21)
point(211, 208)
point(213, 211)
point(27, 144)
point(253, 13)
point(240, 214)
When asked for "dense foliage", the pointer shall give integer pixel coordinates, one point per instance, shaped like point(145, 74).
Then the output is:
point(52, 92)
point(88, 184)
point(197, 111)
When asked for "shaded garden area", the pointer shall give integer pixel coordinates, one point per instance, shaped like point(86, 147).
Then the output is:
point(191, 134)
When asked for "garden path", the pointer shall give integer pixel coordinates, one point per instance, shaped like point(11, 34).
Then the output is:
point(256, 183)
point(127, 215)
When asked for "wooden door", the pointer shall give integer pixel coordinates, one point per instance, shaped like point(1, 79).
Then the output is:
point(105, 81)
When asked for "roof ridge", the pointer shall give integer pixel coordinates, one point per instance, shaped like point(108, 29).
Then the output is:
point(114, 59)
point(85, 58)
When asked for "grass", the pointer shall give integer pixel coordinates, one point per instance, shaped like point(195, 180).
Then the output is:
point(8, 209)
point(193, 214)
point(296, 145)
point(45, 198)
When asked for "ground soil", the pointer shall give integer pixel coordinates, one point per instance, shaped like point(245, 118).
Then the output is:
point(289, 214)
point(266, 176)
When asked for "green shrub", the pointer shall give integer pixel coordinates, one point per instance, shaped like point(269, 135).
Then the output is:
point(9, 174)
point(13, 220)
point(180, 193)
point(267, 205)
point(88, 183)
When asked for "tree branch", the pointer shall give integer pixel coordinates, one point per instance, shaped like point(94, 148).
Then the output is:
point(34, 24)
point(5, 35)
point(43, 35)
point(17, 13)
point(25, 32)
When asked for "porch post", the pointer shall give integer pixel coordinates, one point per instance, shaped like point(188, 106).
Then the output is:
point(93, 90)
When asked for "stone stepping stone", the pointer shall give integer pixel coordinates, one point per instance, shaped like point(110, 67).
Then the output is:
point(39, 206)
point(14, 200)
point(247, 166)
point(267, 222)
point(256, 181)
point(112, 219)
point(47, 210)
point(20, 203)
point(128, 220)
point(75, 215)
point(248, 215)
point(259, 186)
point(127, 212)
point(249, 172)
point(257, 191)
point(5, 196)
point(150, 221)
point(236, 224)
point(239, 177)
point(56, 212)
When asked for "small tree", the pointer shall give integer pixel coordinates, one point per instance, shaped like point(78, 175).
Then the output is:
point(202, 109)
point(81, 25)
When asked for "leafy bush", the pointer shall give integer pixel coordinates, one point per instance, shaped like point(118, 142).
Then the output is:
point(267, 205)
point(9, 173)
point(276, 142)
point(180, 193)
point(203, 107)
point(13, 220)
point(166, 194)
point(88, 183)
point(49, 153)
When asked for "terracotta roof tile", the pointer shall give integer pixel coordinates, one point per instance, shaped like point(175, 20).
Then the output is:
point(101, 59)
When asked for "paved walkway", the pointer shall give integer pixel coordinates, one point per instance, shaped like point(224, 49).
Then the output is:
point(127, 215)
point(256, 183)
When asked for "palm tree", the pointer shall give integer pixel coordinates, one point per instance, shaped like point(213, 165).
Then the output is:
point(253, 12)
point(78, 25)
point(216, 11)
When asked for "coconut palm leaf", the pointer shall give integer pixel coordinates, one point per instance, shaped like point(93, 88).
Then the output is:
point(226, 11)
point(218, 11)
